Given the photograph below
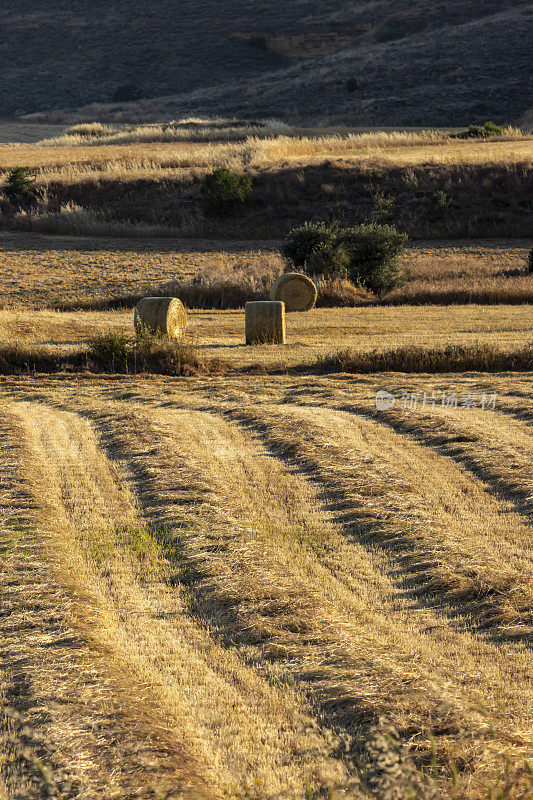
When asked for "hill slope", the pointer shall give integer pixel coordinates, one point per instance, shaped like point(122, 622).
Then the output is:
point(422, 62)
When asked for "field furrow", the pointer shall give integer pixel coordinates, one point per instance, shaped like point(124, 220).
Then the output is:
point(267, 571)
point(71, 725)
point(494, 446)
point(267, 565)
point(280, 582)
point(430, 514)
point(143, 621)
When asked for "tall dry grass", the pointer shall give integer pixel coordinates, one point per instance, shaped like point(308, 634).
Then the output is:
point(132, 159)
point(431, 186)
point(187, 129)
point(72, 218)
point(435, 185)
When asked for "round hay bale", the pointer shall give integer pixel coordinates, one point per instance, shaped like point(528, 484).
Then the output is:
point(165, 315)
point(264, 322)
point(297, 291)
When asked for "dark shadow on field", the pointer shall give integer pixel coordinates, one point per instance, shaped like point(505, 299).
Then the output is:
point(38, 242)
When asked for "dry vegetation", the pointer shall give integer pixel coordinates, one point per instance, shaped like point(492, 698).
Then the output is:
point(311, 337)
point(60, 292)
point(145, 181)
point(55, 160)
point(93, 273)
point(246, 582)
point(289, 574)
point(190, 129)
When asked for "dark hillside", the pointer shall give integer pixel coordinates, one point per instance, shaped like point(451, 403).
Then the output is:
point(370, 62)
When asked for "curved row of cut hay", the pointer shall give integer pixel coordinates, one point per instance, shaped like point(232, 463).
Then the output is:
point(231, 720)
point(296, 535)
point(316, 600)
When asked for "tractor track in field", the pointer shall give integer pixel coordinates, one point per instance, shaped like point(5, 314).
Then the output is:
point(77, 472)
point(200, 559)
point(465, 444)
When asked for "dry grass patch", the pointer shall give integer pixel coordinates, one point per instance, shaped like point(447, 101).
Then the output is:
point(390, 337)
point(143, 619)
point(453, 358)
point(383, 501)
point(142, 182)
point(39, 271)
point(136, 159)
point(111, 351)
point(185, 130)
point(98, 273)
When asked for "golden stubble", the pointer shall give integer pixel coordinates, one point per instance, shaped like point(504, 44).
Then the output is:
point(317, 561)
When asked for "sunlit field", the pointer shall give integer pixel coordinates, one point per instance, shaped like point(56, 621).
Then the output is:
point(291, 575)
point(263, 572)
point(49, 271)
point(78, 160)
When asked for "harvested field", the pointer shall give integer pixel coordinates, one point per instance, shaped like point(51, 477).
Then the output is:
point(285, 571)
point(274, 572)
point(310, 335)
point(82, 272)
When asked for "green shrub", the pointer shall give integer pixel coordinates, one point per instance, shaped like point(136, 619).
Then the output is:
point(441, 199)
point(483, 131)
point(382, 207)
point(491, 129)
point(20, 188)
point(301, 242)
point(374, 255)
point(329, 258)
point(224, 191)
point(368, 254)
point(110, 350)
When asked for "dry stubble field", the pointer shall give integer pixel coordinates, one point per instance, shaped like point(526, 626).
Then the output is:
point(210, 584)
point(260, 586)
point(38, 273)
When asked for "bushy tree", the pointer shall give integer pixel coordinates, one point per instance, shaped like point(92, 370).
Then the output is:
point(20, 188)
point(224, 191)
point(367, 254)
point(483, 131)
point(374, 253)
point(329, 257)
point(301, 242)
